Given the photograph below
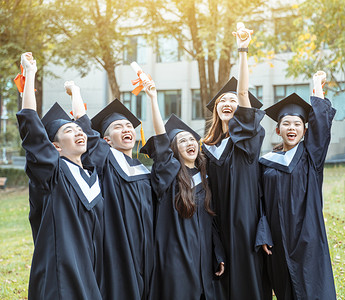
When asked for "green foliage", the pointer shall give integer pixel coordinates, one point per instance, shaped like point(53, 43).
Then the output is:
point(15, 177)
point(203, 29)
point(16, 244)
point(91, 33)
point(313, 32)
point(144, 159)
point(334, 211)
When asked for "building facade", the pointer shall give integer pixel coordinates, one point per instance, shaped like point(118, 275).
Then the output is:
point(177, 83)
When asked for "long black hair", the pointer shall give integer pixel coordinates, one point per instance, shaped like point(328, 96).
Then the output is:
point(184, 199)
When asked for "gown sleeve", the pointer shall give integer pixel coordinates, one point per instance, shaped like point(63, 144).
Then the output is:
point(42, 158)
point(218, 249)
point(246, 132)
point(263, 231)
point(165, 166)
point(318, 135)
point(97, 148)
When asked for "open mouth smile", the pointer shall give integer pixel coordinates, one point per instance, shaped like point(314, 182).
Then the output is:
point(191, 151)
point(127, 137)
point(226, 110)
point(291, 136)
point(80, 141)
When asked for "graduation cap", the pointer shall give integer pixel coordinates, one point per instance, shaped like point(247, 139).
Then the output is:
point(54, 119)
point(231, 87)
point(114, 111)
point(292, 105)
point(175, 125)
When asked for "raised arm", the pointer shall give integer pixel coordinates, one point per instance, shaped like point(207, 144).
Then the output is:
point(243, 38)
point(30, 69)
point(78, 107)
point(151, 92)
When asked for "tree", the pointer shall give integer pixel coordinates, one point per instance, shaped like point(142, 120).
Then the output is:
point(92, 32)
point(23, 27)
point(313, 32)
point(203, 29)
point(319, 42)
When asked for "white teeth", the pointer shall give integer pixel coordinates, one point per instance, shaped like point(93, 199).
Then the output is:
point(127, 136)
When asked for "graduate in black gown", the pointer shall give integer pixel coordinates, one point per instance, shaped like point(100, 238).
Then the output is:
point(299, 264)
point(66, 205)
point(128, 205)
point(186, 242)
point(232, 147)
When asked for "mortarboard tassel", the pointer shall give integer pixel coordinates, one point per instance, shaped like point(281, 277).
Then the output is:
point(142, 140)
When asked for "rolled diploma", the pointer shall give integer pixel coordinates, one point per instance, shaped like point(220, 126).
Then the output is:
point(139, 71)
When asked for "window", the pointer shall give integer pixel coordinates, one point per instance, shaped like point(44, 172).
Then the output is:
point(282, 91)
point(257, 92)
point(196, 105)
point(136, 104)
point(168, 50)
point(169, 102)
point(135, 50)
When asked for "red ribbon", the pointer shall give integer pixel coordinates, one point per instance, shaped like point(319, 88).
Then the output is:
point(20, 80)
point(138, 89)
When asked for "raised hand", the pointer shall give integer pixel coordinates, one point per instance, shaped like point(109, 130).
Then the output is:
point(243, 35)
point(320, 76)
point(150, 88)
point(319, 80)
point(28, 62)
point(70, 87)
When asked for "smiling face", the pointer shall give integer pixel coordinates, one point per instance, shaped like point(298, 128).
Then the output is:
point(121, 135)
point(226, 106)
point(70, 141)
point(291, 129)
point(187, 147)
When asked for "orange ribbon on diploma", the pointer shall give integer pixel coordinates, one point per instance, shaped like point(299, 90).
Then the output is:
point(20, 80)
point(141, 77)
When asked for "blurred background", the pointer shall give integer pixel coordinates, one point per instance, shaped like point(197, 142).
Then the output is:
point(185, 45)
point(188, 48)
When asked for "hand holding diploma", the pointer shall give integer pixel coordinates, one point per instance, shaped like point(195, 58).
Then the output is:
point(142, 78)
point(243, 35)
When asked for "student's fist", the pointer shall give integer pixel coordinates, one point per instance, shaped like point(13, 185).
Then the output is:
point(70, 87)
point(320, 76)
point(243, 35)
point(28, 62)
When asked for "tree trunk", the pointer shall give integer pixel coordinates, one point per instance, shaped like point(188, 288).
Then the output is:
point(115, 91)
point(39, 94)
point(211, 77)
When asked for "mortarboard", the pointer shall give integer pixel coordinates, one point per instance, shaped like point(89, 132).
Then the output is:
point(54, 119)
point(175, 125)
point(231, 87)
point(292, 105)
point(114, 111)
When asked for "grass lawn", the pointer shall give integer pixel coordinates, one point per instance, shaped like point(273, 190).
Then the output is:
point(16, 242)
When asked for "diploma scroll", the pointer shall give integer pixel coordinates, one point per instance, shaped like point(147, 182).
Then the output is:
point(142, 77)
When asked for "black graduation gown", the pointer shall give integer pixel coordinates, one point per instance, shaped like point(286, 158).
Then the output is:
point(128, 215)
point(184, 248)
point(233, 176)
point(66, 216)
point(300, 266)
